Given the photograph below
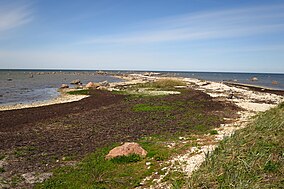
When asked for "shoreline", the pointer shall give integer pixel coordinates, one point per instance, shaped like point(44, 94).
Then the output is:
point(132, 79)
point(62, 98)
point(256, 88)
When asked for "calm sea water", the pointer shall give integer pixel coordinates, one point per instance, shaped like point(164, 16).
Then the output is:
point(274, 81)
point(31, 86)
point(20, 87)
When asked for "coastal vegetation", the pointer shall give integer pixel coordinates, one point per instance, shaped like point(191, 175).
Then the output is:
point(79, 92)
point(252, 158)
point(72, 140)
point(163, 84)
point(160, 121)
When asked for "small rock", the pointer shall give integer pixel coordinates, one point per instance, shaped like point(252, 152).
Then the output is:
point(126, 149)
point(180, 87)
point(75, 82)
point(64, 86)
point(104, 83)
point(102, 88)
point(148, 163)
point(79, 87)
point(231, 95)
point(92, 85)
point(33, 178)
point(254, 79)
point(274, 82)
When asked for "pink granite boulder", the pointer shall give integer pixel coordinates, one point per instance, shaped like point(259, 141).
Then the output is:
point(126, 149)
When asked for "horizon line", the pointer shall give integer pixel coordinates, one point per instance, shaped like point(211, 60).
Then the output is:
point(134, 70)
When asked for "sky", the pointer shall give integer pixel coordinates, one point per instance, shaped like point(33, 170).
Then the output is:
point(169, 35)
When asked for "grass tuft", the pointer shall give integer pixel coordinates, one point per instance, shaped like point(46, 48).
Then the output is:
point(2, 170)
point(213, 132)
point(163, 84)
point(127, 159)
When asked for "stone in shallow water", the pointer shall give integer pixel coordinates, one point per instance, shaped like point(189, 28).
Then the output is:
point(75, 82)
point(64, 86)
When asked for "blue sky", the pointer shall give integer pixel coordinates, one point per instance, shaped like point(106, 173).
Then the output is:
point(184, 35)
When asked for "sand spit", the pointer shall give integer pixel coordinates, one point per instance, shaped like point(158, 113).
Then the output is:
point(63, 98)
point(250, 101)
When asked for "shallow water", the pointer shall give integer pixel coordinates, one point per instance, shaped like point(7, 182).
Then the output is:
point(264, 79)
point(31, 86)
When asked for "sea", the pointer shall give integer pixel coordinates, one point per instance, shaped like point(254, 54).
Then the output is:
point(27, 86)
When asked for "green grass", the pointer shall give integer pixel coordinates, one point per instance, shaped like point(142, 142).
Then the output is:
point(79, 92)
point(252, 158)
point(121, 172)
point(150, 108)
point(2, 170)
point(97, 172)
point(213, 132)
point(127, 159)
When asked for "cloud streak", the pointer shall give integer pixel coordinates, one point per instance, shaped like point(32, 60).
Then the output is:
point(215, 24)
point(14, 15)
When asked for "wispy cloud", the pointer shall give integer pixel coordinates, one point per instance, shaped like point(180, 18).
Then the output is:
point(202, 25)
point(13, 15)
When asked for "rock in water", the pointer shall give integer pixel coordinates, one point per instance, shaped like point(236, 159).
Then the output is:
point(274, 82)
point(75, 82)
point(64, 86)
point(254, 78)
point(126, 149)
